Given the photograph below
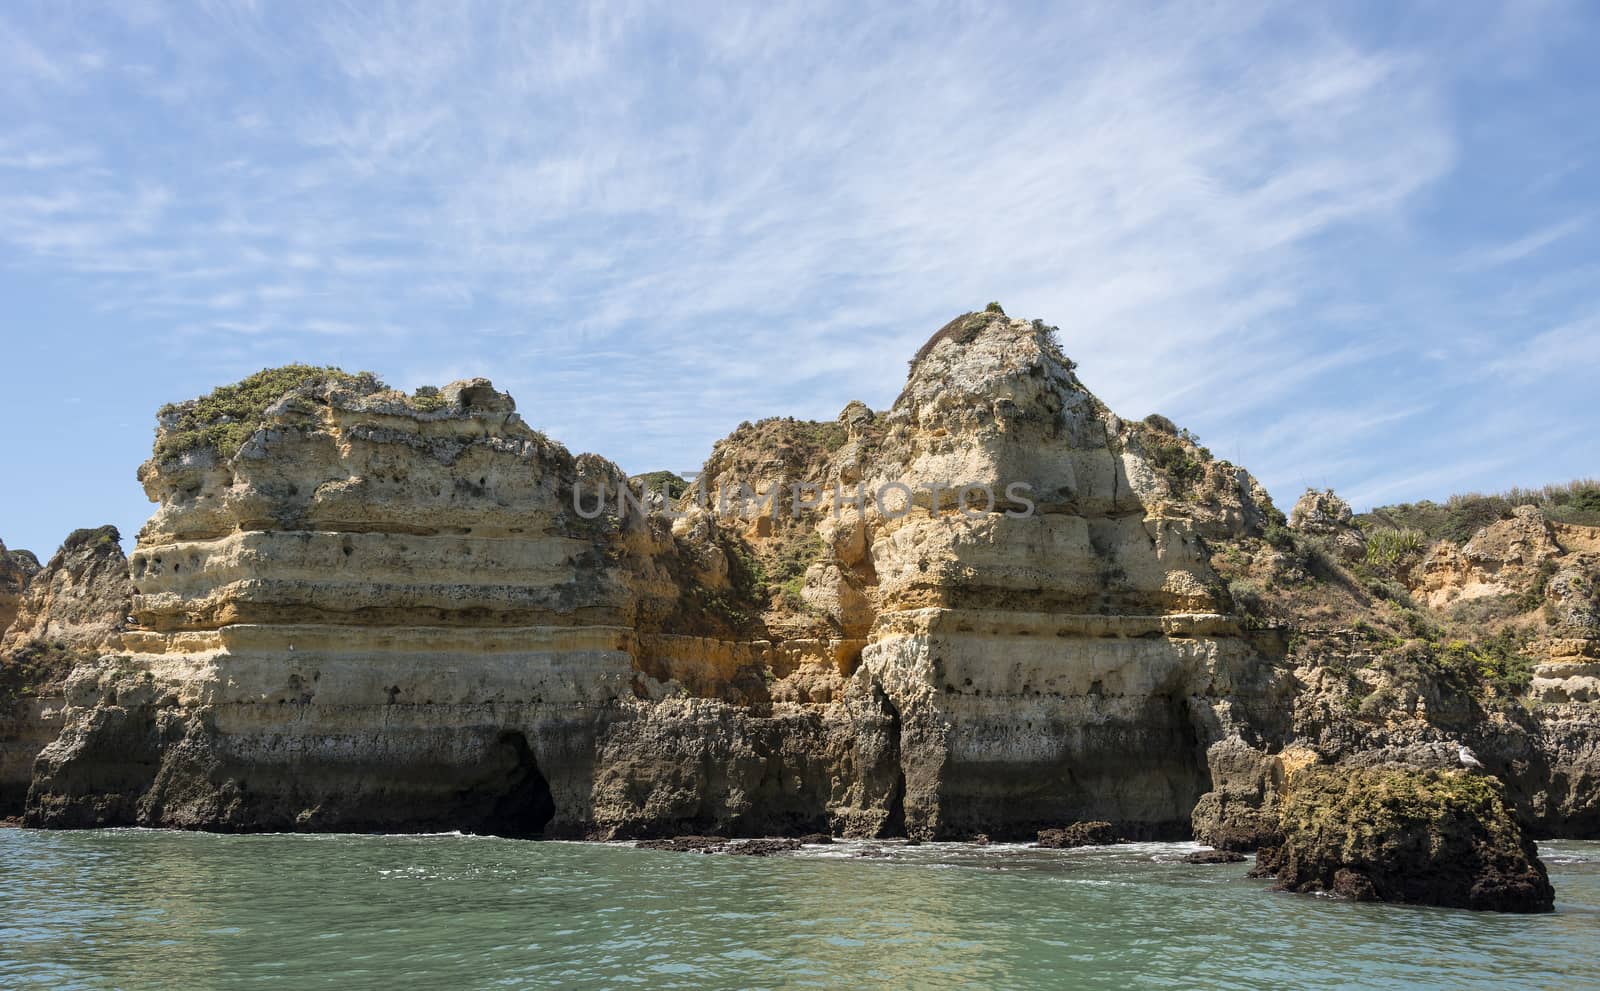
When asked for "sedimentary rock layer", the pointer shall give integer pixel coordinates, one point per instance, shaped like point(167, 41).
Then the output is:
point(71, 612)
point(995, 608)
point(16, 567)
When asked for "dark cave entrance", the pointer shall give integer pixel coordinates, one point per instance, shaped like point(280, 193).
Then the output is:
point(523, 805)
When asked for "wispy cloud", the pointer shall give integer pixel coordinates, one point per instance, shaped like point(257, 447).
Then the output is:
point(651, 223)
point(1519, 248)
point(1572, 348)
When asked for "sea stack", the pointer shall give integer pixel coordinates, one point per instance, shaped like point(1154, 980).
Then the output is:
point(994, 608)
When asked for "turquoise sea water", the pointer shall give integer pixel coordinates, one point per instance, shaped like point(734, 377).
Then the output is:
point(142, 909)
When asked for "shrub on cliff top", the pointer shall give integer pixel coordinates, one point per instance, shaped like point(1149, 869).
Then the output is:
point(95, 538)
point(1461, 516)
point(427, 399)
point(223, 419)
point(1175, 453)
point(963, 330)
point(668, 482)
point(1387, 548)
point(1160, 424)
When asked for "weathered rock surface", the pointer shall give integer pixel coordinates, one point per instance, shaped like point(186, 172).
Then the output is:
point(384, 614)
point(16, 568)
point(1325, 514)
point(79, 600)
point(1214, 857)
point(71, 612)
point(1498, 560)
point(1061, 661)
point(991, 609)
point(1078, 834)
point(1392, 833)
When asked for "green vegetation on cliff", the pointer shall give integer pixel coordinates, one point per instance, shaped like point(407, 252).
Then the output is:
point(661, 481)
point(224, 418)
point(1460, 516)
point(33, 668)
point(1174, 452)
point(93, 538)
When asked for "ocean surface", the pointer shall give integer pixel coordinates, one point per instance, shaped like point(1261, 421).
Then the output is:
point(143, 909)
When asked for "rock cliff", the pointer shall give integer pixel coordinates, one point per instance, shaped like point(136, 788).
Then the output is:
point(382, 611)
point(995, 607)
point(16, 567)
point(70, 613)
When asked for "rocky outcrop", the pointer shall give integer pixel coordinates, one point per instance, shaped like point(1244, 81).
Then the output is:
point(1391, 833)
point(1326, 515)
point(79, 601)
point(1045, 622)
point(1078, 834)
point(16, 568)
point(71, 612)
point(1501, 559)
point(761, 847)
point(385, 613)
point(1528, 586)
point(369, 609)
point(991, 609)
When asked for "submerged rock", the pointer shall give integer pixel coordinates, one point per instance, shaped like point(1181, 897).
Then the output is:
point(1397, 834)
point(764, 847)
point(685, 844)
point(1079, 834)
point(1214, 857)
point(761, 847)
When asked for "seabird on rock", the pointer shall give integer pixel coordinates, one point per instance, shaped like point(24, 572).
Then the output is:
point(1467, 757)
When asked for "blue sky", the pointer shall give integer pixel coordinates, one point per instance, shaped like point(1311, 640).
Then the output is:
point(1349, 245)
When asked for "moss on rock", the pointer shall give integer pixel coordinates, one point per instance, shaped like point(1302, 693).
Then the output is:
point(1397, 834)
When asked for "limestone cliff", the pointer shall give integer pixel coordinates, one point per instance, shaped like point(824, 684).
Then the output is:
point(79, 600)
point(70, 613)
point(1403, 649)
point(994, 607)
point(16, 567)
point(1044, 620)
point(381, 611)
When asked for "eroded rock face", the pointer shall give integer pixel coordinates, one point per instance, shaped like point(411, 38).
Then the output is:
point(72, 611)
point(1010, 611)
point(389, 611)
point(379, 613)
point(1325, 514)
point(1391, 833)
point(1056, 652)
point(16, 567)
point(1500, 559)
point(1544, 576)
point(78, 601)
